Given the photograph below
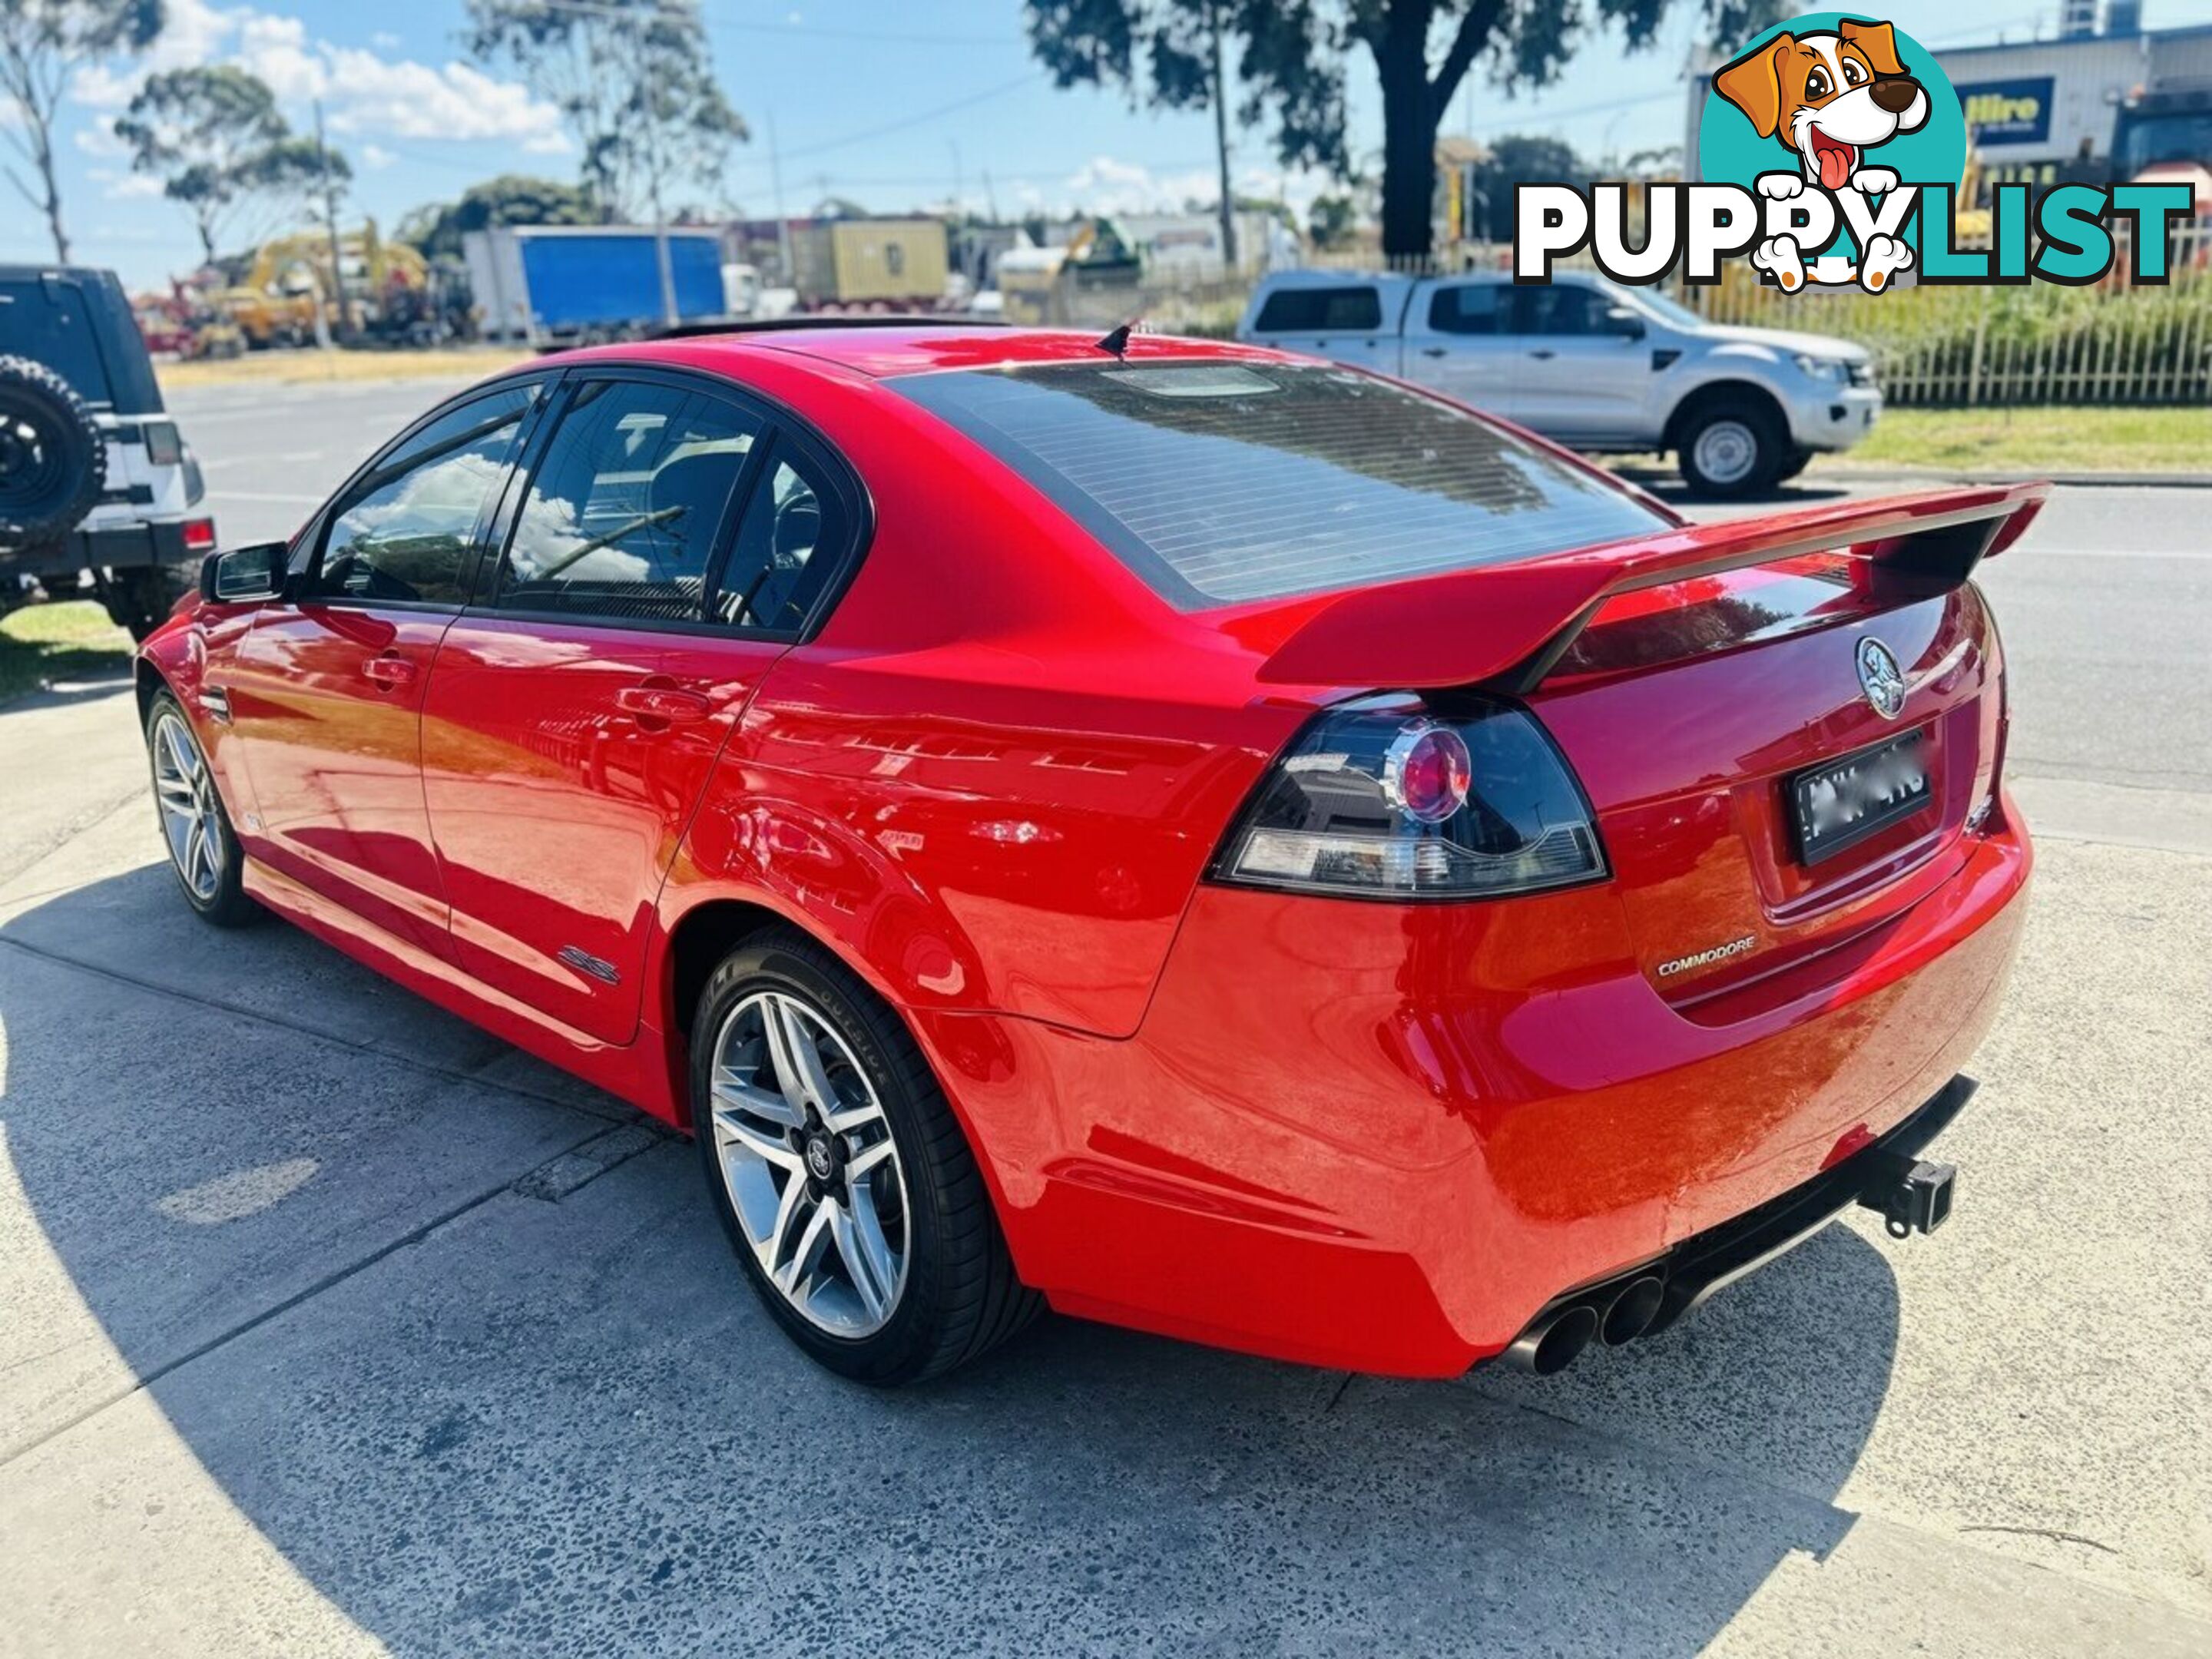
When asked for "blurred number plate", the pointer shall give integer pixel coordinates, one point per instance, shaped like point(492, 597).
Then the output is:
point(1841, 804)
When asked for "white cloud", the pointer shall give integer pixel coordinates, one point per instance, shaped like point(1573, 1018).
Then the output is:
point(277, 49)
point(1106, 185)
point(376, 158)
point(365, 93)
point(192, 32)
point(386, 41)
point(119, 185)
point(409, 99)
point(99, 139)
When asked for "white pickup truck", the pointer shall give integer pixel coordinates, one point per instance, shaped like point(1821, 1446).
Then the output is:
point(1588, 364)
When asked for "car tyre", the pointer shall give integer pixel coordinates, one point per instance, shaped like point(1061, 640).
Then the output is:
point(1732, 447)
point(955, 1294)
point(1798, 461)
point(53, 461)
point(204, 855)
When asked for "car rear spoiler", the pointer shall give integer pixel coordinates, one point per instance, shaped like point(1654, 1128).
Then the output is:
point(1503, 626)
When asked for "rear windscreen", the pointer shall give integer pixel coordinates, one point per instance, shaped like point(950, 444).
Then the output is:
point(1220, 483)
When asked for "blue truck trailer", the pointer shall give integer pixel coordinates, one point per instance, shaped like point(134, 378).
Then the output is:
point(565, 285)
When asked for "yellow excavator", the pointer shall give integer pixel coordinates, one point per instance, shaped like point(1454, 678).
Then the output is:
point(287, 282)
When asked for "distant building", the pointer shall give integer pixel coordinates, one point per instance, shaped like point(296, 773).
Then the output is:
point(2091, 107)
point(1461, 208)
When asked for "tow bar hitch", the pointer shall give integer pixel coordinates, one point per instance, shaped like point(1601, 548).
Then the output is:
point(1913, 1197)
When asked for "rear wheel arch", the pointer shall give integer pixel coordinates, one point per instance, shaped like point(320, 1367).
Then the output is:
point(702, 937)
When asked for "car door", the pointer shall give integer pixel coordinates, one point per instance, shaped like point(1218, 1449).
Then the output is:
point(665, 547)
point(1455, 341)
point(325, 689)
point(1579, 374)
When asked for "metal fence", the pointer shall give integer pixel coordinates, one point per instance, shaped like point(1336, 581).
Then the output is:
point(2117, 342)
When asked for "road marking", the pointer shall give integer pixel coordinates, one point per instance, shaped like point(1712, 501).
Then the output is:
point(264, 460)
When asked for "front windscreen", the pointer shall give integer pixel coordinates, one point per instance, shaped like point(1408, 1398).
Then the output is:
point(1225, 482)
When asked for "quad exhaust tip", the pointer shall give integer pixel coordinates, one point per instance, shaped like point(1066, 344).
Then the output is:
point(1629, 1313)
point(1911, 1196)
point(1551, 1344)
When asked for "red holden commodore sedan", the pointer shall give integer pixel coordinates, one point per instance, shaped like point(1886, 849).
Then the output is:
point(1213, 842)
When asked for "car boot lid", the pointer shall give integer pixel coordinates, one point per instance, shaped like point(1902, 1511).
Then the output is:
point(1503, 626)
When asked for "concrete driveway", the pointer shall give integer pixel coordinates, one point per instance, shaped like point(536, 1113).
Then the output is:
point(334, 1326)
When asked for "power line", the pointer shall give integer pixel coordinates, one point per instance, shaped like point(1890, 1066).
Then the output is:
point(917, 120)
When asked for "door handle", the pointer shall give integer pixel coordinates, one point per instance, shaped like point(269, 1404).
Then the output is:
point(1543, 356)
point(662, 703)
point(1433, 351)
point(390, 673)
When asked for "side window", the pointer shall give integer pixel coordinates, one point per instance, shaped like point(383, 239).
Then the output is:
point(1467, 308)
point(1558, 309)
point(408, 530)
point(786, 543)
point(625, 513)
point(1320, 310)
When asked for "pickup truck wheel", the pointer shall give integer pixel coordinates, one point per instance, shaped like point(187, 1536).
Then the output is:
point(1732, 448)
point(1798, 461)
point(53, 461)
point(839, 1172)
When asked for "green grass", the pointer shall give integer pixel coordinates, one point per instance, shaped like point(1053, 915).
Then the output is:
point(43, 643)
point(2054, 440)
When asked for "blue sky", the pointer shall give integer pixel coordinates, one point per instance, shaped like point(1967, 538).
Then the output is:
point(892, 103)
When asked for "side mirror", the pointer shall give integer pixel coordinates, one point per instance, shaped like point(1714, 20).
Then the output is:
point(244, 573)
point(1624, 322)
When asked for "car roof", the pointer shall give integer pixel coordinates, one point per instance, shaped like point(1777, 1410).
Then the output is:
point(883, 352)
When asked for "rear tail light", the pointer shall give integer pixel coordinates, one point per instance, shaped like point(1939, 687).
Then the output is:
point(1394, 800)
point(199, 535)
point(163, 446)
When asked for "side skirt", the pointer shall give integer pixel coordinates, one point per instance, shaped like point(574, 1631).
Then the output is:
point(635, 1072)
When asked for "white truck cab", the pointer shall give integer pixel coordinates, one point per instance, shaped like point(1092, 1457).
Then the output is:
point(1590, 364)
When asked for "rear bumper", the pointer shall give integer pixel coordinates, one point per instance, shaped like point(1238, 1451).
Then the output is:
point(1382, 1138)
point(126, 547)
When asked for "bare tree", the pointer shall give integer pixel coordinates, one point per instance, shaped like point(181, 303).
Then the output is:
point(633, 80)
point(43, 43)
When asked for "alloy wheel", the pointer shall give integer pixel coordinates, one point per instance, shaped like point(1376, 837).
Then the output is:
point(192, 814)
point(807, 1158)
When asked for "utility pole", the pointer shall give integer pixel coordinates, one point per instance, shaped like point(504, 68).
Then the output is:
point(782, 225)
point(330, 212)
point(1221, 143)
point(669, 314)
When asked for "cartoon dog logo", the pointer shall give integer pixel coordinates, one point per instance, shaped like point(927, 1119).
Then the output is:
point(1831, 98)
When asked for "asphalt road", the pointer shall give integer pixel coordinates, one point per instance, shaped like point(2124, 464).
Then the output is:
point(336, 1327)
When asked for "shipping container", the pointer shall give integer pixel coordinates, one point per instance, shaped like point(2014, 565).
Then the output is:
point(892, 263)
point(545, 282)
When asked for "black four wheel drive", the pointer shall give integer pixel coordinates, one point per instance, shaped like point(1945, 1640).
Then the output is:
point(97, 489)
